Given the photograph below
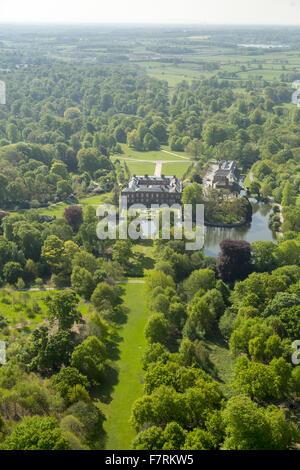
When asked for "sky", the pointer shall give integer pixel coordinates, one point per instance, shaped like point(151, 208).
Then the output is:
point(151, 11)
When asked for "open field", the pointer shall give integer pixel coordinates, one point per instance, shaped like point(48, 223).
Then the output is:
point(178, 169)
point(22, 307)
point(143, 162)
point(151, 155)
point(231, 63)
point(130, 384)
point(140, 168)
point(223, 363)
point(57, 210)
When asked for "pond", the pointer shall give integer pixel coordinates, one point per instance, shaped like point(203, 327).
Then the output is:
point(258, 229)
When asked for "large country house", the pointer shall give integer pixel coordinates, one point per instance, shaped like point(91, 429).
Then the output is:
point(149, 190)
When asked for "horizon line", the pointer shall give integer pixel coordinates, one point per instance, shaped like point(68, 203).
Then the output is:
point(139, 23)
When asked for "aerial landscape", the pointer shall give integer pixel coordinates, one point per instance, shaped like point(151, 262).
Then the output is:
point(118, 343)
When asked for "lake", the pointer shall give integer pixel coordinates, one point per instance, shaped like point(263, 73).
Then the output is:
point(258, 229)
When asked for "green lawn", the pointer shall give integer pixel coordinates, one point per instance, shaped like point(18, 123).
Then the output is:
point(178, 169)
point(28, 307)
point(147, 167)
point(57, 210)
point(223, 363)
point(129, 387)
point(151, 155)
point(141, 168)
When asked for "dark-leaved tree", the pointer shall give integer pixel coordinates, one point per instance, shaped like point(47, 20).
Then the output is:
point(71, 160)
point(73, 216)
point(234, 262)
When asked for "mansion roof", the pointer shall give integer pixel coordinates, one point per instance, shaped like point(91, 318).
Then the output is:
point(157, 184)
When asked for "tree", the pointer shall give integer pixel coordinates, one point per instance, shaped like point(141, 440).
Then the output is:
point(226, 323)
point(75, 143)
point(71, 160)
point(263, 256)
point(254, 187)
point(198, 439)
point(296, 380)
point(215, 133)
point(72, 113)
point(201, 316)
point(9, 252)
point(154, 352)
point(215, 302)
point(3, 186)
point(161, 304)
point(224, 290)
point(159, 130)
point(282, 300)
point(176, 314)
point(174, 436)
point(63, 189)
point(156, 329)
point(122, 251)
point(91, 419)
point(149, 439)
point(290, 319)
point(74, 216)
point(288, 195)
point(82, 281)
point(62, 306)
point(106, 101)
point(66, 378)
point(249, 427)
point(257, 348)
point(47, 352)
point(12, 271)
point(193, 353)
point(13, 133)
point(258, 289)
point(2, 214)
point(194, 148)
point(52, 250)
point(28, 238)
point(105, 293)
point(158, 279)
point(193, 194)
point(257, 380)
point(288, 253)
point(88, 357)
point(120, 135)
point(150, 142)
point(134, 140)
point(200, 279)
point(77, 393)
point(88, 160)
point(234, 262)
point(291, 217)
point(274, 347)
point(86, 260)
point(70, 251)
point(60, 169)
point(36, 433)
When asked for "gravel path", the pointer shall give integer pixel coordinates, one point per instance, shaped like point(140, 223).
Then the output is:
point(158, 168)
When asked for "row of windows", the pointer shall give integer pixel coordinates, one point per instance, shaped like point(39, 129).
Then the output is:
point(132, 197)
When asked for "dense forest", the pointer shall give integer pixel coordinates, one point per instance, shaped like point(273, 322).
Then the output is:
point(71, 112)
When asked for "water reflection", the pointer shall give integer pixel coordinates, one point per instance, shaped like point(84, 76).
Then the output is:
point(258, 229)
